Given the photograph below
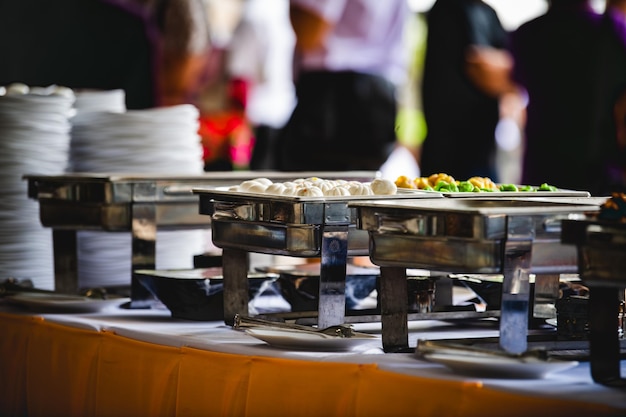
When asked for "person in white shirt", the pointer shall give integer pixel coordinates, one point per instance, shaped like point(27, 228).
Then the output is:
point(349, 59)
point(260, 55)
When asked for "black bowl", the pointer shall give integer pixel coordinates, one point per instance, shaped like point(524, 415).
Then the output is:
point(196, 294)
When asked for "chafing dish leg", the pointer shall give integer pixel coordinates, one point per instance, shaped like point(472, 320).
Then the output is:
point(515, 296)
point(604, 343)
point(443, 292)
point(65, 261)
point(143, 245)
point(394, 314)
point(545, 295)
point(332, 292)
point(235, 265)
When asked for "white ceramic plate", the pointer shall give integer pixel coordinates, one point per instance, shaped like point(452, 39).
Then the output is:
point(302, 340)
point(62, 303)
point(499, 367)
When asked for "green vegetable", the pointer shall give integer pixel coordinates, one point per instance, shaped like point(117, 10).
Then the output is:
point(466, 187)
point(440, 185)
point(547, 187)
point(447, 187)
point(508, 187)
point(527, 188)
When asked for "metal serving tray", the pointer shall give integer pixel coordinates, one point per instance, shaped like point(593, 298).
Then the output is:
point(601, 248)
point(127, 202)
point(518, 194)
point(243, 222)
point(509, 236)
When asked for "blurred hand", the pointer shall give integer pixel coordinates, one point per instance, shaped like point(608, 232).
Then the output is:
point(490, 70)
point(310, 29)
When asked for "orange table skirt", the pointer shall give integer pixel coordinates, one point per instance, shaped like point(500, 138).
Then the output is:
point(47, 369)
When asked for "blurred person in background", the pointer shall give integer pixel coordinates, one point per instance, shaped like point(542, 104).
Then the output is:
point(157, 51)
point(557, 59)
point(185, 49)
point(260, 62)
point(182, 44)
point(80, 44)
point(225, 132)
point(349, 59)
point(466, 76)
point(612, 95)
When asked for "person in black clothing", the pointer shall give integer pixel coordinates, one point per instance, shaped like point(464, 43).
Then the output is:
point(144, 47)
point(78, 44)
point(560, 60)
point(611, 93)
point(349, 60)
point(461, 109)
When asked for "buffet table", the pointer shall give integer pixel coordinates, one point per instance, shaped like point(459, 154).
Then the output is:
point(132, 362)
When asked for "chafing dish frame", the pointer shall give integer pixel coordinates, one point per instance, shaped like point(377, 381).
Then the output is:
point(601, 249)
point(292, 226)
point(134, 203)
point(486, 238)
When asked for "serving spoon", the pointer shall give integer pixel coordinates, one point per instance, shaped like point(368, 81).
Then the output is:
point(246, 322)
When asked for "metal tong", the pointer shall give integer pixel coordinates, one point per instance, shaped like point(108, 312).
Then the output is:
point(430, 346)
point(245, 322)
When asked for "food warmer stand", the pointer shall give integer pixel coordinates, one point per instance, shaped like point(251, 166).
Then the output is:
point(135, 203)
point(508, 234)
point(601, 248)
point(323, 227)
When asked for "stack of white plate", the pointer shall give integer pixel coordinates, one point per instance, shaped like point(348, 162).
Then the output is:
point(34, 132)
point(100, 100)
point(162, 141)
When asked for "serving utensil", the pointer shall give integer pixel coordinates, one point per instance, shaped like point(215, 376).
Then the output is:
point(424, 347)
point(246, 322)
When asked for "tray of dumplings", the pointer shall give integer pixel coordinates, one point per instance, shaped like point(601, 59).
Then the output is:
point(289, 217)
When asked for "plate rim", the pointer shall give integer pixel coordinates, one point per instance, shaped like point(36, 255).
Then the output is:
point(73, 303)
point(318, 342)
point(498, 367)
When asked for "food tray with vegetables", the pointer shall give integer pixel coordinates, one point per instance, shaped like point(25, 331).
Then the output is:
point(477, 187)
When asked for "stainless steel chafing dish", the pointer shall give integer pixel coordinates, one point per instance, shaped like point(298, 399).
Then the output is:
point(499, 234)
point(135, 203)
point(293, 226)
point(601, 248)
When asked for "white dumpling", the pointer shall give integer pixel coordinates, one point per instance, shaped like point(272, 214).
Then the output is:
point(358, 188)
point(265, 181)
point(309, 191)
point(276, 188)
point(257, 188)
point(314, 180)
point(249, 185)
point(325, 186)
point(381, 186)
point(337, 191)
point(290, 190)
